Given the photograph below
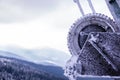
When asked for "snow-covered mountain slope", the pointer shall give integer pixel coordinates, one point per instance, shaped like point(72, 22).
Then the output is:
point(16, 69)
point(9, 54)
point(45, 56)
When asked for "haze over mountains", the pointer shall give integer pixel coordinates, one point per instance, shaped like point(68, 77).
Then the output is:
point(36, 64)
point(41, 56)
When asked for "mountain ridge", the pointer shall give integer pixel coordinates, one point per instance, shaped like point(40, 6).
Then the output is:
point(42, 55)
point(12, 66)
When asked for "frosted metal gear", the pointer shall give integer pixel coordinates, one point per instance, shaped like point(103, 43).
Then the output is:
point(87, 24)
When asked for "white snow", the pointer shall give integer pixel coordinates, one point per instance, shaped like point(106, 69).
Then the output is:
point(70, 70)
point(92, 38)
point(5, 60)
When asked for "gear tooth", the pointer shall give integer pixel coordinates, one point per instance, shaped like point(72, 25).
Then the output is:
point(107, 17)
point(96, 14)
point(93, 13)
point(100, 15)
point(104, 16)
point(87, 15)
point(72, 26)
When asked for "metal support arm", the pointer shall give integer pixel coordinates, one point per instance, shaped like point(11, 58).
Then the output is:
point(80, 7)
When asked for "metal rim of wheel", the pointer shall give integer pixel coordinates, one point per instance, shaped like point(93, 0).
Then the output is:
point(89, 23)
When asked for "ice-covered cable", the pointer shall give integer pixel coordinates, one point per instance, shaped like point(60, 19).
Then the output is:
point(91, 6)
point(80, 7)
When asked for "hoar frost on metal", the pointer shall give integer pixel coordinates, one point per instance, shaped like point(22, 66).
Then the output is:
point(94, 43)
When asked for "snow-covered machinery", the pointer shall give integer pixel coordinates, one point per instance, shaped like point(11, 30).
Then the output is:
point(94, 43)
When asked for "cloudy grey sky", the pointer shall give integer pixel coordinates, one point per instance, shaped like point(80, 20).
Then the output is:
point(40, 23)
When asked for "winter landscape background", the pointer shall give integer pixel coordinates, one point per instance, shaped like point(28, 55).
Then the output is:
point(33, 37)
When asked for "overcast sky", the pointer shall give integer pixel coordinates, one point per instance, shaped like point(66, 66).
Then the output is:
point(40, 23)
